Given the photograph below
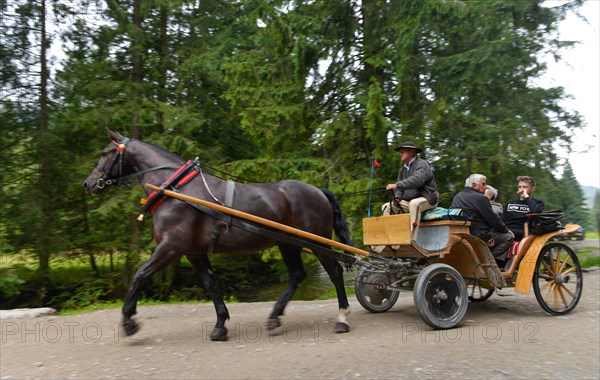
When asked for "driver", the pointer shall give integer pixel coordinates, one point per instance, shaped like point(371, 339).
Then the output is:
point(415, 189)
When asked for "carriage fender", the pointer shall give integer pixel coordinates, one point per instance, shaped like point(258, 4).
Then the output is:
point(527, 265)
point(479, 248)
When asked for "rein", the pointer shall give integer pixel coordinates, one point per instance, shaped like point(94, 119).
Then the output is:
point(172, 183)
point(119, 181)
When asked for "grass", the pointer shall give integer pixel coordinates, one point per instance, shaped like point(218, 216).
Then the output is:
point(592, 235)
point(91, 308)
point(119, 304)
point(588, 257)
point(590, 261)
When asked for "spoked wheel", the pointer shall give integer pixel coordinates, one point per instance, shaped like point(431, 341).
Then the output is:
point(372, 291)
point(440, 295)
point(476, 292)
point(557, 281)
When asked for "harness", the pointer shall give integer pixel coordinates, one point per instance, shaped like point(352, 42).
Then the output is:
point(183, 175)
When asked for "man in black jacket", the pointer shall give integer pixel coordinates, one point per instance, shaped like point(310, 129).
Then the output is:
point(515, 214)
point(415, 189)
point(485, 223)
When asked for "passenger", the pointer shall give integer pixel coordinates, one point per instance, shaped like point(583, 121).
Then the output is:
point(415, 189)
point(491, 193)
point(485, 224)
point(515, 214)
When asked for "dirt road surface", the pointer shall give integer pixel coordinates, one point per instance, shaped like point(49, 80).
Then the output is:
point(505, 337)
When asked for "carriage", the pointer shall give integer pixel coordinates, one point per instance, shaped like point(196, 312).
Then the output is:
point(445, 266)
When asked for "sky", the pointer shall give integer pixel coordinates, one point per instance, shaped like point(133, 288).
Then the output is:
point(578, 73)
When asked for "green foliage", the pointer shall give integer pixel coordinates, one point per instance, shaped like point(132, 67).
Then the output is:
point(267, 91)
point(596, 212)
point(9, 284)
point(566, 195)
point(589, 261)
point(85, 293)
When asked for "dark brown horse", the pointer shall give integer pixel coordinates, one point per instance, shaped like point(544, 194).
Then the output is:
point(180, 229)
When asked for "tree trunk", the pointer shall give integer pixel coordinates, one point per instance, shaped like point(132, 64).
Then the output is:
point(137, 73)
point(133, 255)
point(162, 49)
point(44, 236)
point(86, 232)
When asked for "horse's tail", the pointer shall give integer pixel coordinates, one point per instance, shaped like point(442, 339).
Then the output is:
point(339, 224)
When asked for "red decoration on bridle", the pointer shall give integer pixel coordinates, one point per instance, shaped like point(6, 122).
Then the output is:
point(120, 147)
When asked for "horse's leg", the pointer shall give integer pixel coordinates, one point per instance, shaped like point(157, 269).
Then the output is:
point(162, 256)
point(202, 265)
point(336, 274)
point(293, 261)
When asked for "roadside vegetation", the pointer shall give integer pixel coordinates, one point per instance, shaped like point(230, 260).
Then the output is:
point(78, 289)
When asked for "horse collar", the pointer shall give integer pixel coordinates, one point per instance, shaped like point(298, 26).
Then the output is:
point(182, 176)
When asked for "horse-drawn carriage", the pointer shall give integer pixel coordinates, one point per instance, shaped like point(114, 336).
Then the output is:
point(445, 266)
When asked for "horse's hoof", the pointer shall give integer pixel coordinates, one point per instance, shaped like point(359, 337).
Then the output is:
point(273, 323)
point(219, 334)
point(131, 327)
point(341, 327)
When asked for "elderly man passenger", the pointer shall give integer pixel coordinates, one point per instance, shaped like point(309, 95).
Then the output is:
point(491, 193)
point(485, 223)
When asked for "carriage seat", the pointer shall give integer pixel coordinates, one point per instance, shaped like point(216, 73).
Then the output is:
point(394, 230)
point(440, 213)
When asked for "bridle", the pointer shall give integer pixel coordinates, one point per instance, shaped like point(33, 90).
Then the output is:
point(118, 159)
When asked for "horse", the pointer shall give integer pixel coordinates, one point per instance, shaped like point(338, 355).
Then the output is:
point(180, 229)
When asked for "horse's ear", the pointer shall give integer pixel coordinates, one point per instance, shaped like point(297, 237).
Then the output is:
point(115, 136)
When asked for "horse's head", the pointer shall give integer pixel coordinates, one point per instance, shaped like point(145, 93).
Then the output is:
point(111, 164)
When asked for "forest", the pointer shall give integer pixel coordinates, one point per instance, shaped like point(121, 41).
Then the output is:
point(260, 91)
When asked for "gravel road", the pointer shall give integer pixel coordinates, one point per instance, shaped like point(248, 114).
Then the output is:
point(505, 337)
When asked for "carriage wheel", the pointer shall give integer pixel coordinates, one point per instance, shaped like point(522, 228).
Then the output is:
point(372, 291)
point(558, 280)
point(440, 295)
point(478, 293)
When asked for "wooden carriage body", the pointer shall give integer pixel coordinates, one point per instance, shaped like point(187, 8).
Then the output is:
point(449, 242)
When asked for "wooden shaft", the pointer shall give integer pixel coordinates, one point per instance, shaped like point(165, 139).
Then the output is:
point(263, 221)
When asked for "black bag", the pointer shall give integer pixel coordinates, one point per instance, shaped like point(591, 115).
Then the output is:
point(544, 222)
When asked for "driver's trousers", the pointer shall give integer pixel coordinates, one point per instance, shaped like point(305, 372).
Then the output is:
point(414, 207)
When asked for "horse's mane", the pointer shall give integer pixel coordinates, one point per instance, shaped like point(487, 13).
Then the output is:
point(171, 155)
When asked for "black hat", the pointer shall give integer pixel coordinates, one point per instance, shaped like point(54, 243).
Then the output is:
point(410, 145)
